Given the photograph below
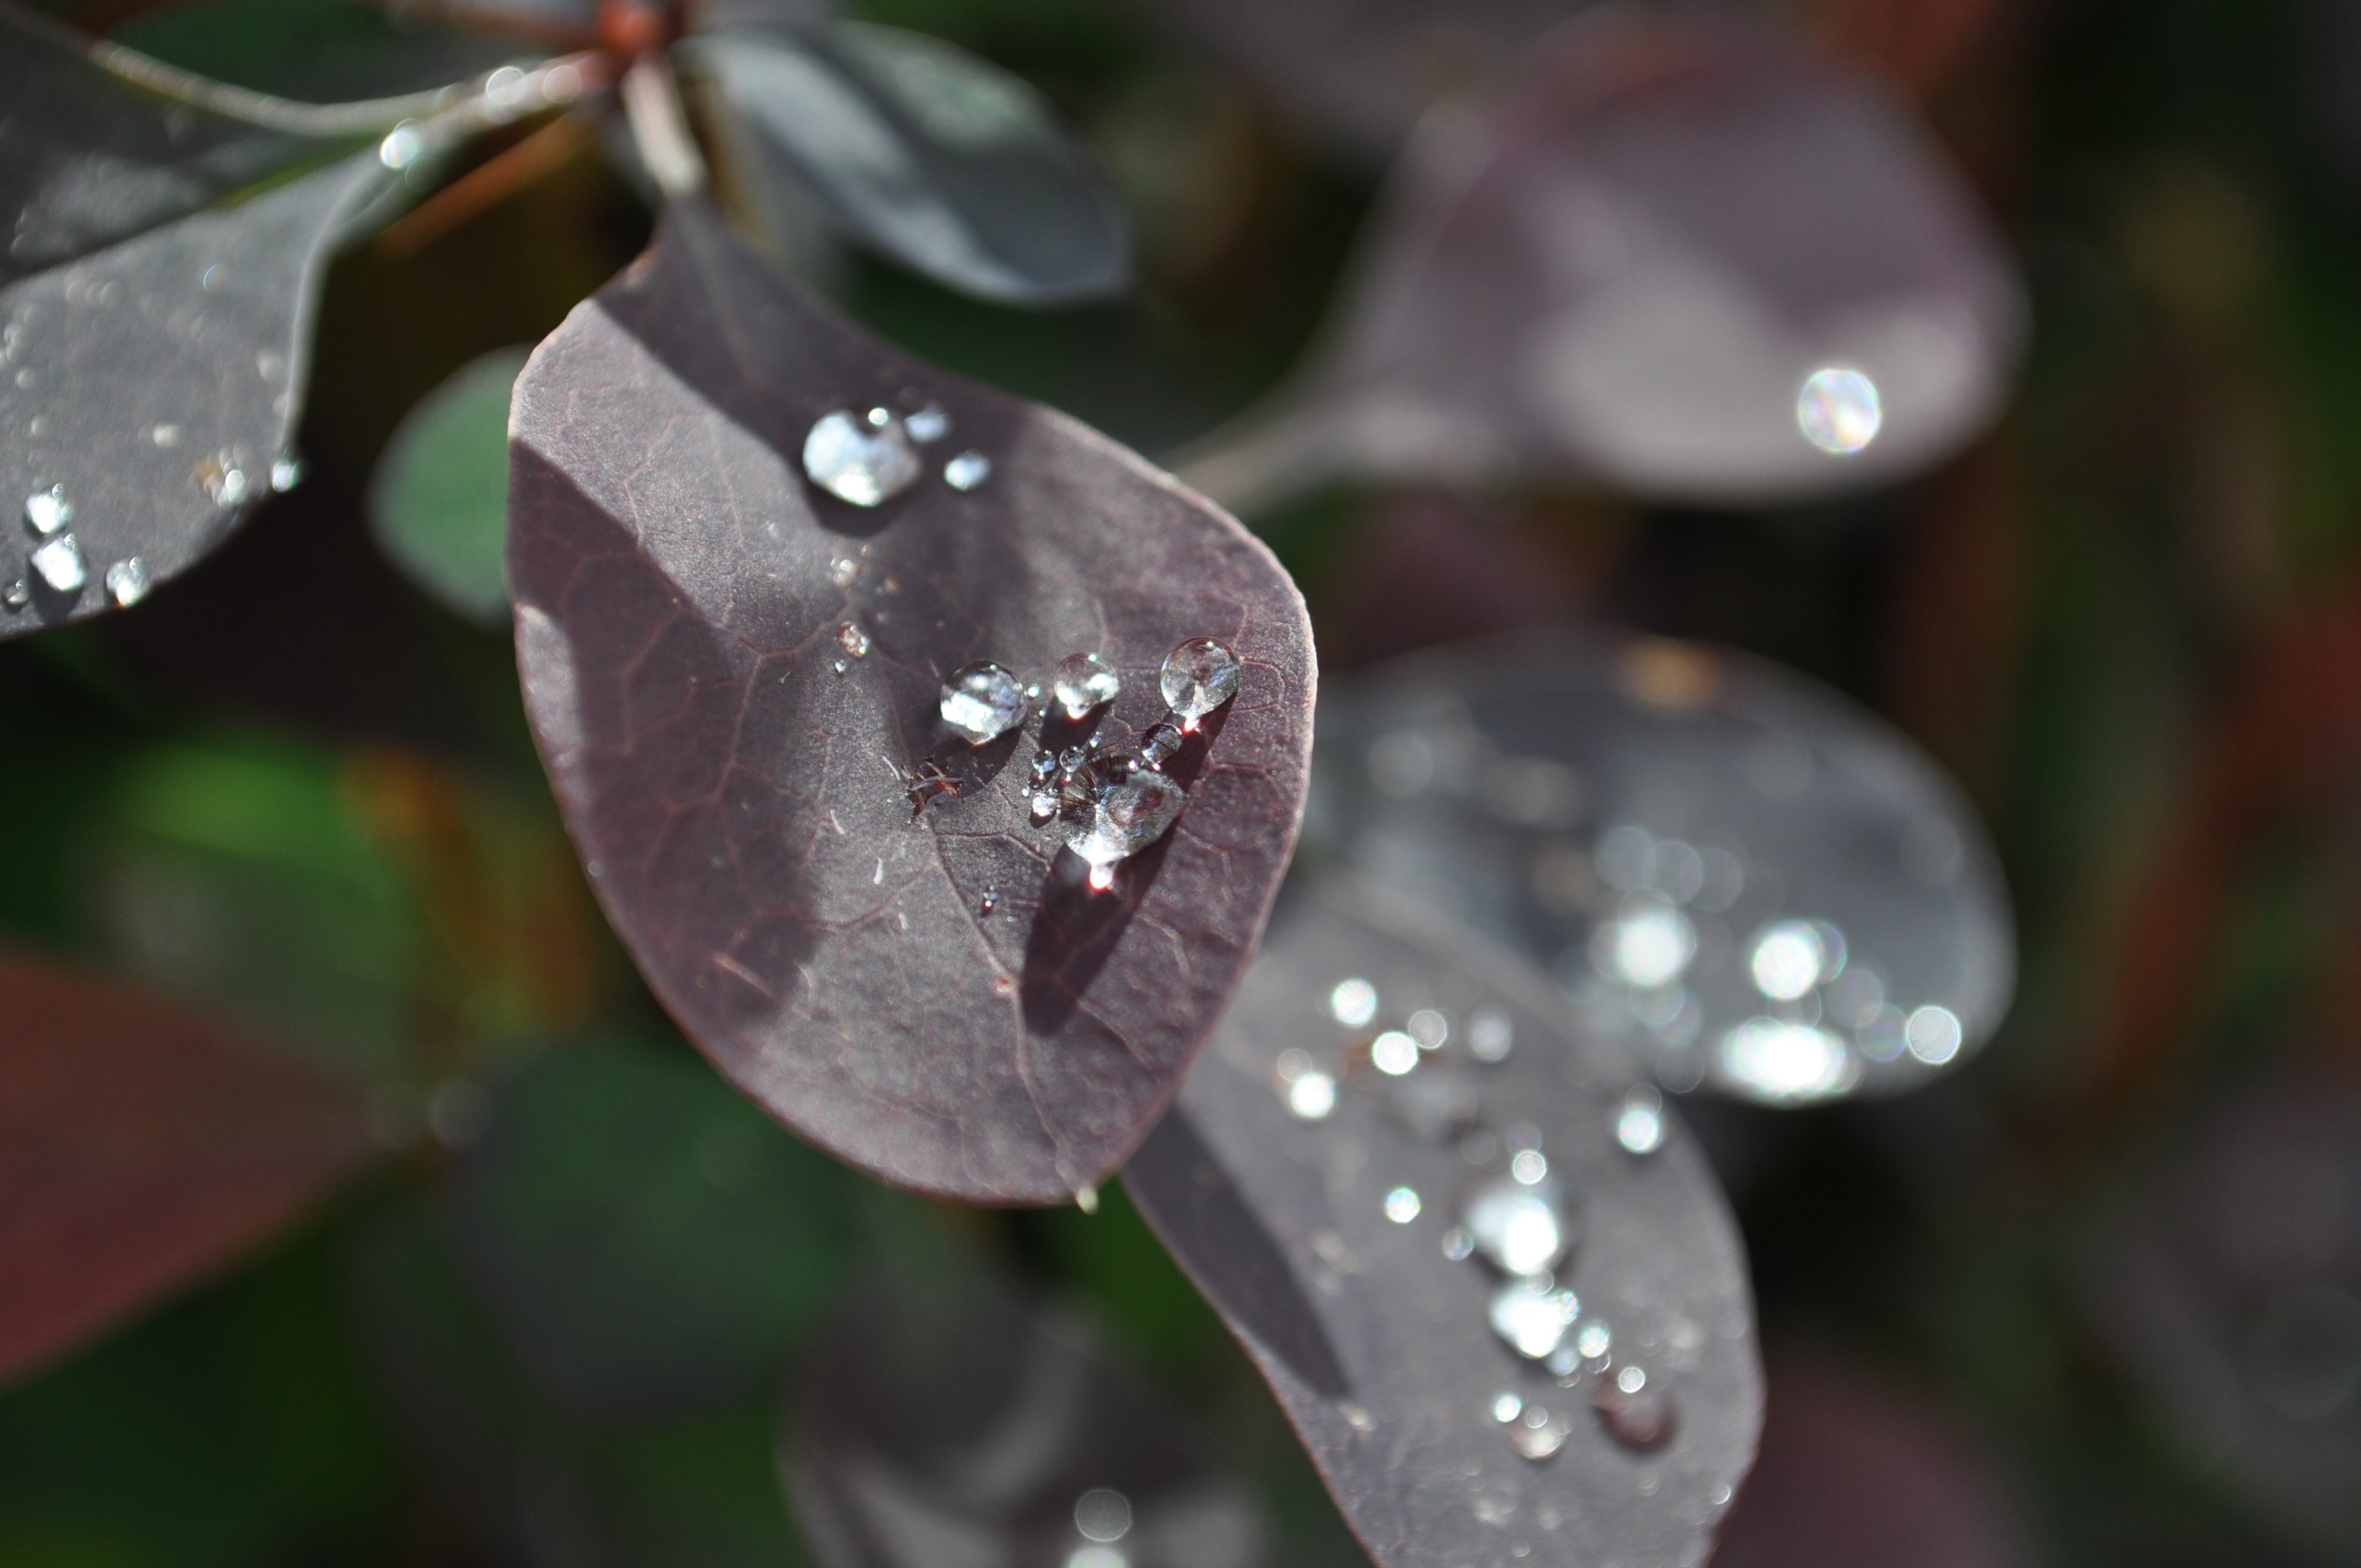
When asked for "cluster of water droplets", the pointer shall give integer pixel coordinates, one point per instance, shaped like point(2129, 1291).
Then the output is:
point(1520, 1217)
point(869, 457)
point(55, 563)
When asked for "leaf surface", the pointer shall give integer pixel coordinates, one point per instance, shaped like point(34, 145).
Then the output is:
point(140, 1150)
point(156, 303)
point(1632, 270)
point(1730, 869)
point(941, 160)
point(1342, 1288)
point(741, 802)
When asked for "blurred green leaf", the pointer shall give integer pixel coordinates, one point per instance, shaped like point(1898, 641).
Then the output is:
point(643, 1240)
point(319, 52)
point(439, 500)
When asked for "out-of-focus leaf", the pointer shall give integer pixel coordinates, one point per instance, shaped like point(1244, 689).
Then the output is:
point(1316, 1184)
point(439, 501)
point(731, 672)
point(319, 52)
point(2225, 1282)
point(1736, 872)
point(1684, 261)
point(526, 1485)
point(156, 302)
point(944, 162)
point(646, 1243)
point(139, 1150)
point(938, 1422)
point(1856, 1472)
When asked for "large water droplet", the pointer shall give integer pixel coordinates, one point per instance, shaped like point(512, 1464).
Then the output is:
point(1838, 411)
point(1531, 1317)
point(1126, 819)
point(48, 511)
point(865, 459)
point(1198, 677)
point(58, 563)
point(983, 701)
point(1521, 1228)
point(1083, 682)
point(127, 582)
point(967, 471)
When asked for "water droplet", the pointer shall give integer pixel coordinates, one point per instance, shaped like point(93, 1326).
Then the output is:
point(1531, 1317)
point(1642, 1419)
point(165, 435)
point(990, 902)
point(1159, 745)
point(1640, 1120)
point(401, 146)
point(1932, 1034)
point(1771, 1059)
point(858, 459)
point(1401, 1205)
point(1537, 1434)
point(1458, 1244)
point(1838, 411)
point(60, 566)
point(1788, 959)
point(1428, 1028)
point(983, 701)
point(852, 640)
point(286, 474)
point(1084, 681)
point(1594, 1339)
point(967, 470)
point(1198, 677)
point(1647, 945)
point(840, 666)
point(1352, 1002)
point(1490, 1036)
point(1528, 1168)
point(929, 424)
point(48, 511)
point(1125, 819)
point(1312, 1096)
point(225, 483)
point(1393, 1053)
point(844, 571)
point(15, 595)
point(1521, 1229)
point(127, 582)
point(1506, 1408)
point(1103, 1514)
point(1043, 807)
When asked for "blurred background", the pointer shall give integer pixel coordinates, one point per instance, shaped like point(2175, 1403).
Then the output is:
point(2093, 1298)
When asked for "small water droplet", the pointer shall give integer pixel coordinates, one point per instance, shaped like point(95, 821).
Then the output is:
point(213, 276)
point(967, 471)
point(1401, 1205)
point(1532, 1317)
point(1528, 1168)
point(1788, 959)
point(58, 563)
point(1490, 1036)
point(1043, 807)
point(1429, 1028)
point(844, 571)
point(1641, 1418)
point(1103, 1514)
point(1647, 945)
point(1393, 1053)
point(1458, 1244)
point(852, 640)
point(1523, 1229)
point(841, 666)
point(1839, 410)
point(1352, 1002)
point(1932, 1034)
point(48, 511)
point(983, 701)
point(165, 435)
point(1198, 677)
point(1537, 1434)
point(929, 424)
point(1084, 681)
point(1101, 877)
point(1159, 745)
point(1594, 1339)
point(127, 582)
point(1086, 1199)
point(15, 595)
point(990, 902)
point(1312, 1096)
point(1126, 819)
point(1506, 1408)
point(225, 483)
point(1771, 1059)
point(401, 146)
point(286, 474)
point(1640, 1120)
point(866, 460)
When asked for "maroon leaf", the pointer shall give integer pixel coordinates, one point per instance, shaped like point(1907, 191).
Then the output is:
point(734, 735)
point(1636, 273)
point(1315, 1177)
point(1730, 869)
point(139, 1149)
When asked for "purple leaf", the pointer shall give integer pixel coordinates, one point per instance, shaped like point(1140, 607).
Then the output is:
point(1321, 1179)
point(735, 677)
point(948, 1423)
point(1733, 870)
point(1684, 261)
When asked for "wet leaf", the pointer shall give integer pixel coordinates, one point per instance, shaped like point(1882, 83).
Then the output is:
point(1733, 871)
point(1686, 261)
point(439, 500)
point(155, 322)
point(943, 161)
point(139, 1151)
point(940, 1420)
point(1315, 1195)
point(2225, 1283)
point(645, 1242)
point(742, 804)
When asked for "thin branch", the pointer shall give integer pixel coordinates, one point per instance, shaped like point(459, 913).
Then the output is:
point(660, 127)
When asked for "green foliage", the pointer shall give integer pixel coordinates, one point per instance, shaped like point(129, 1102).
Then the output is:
point(439, 502)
